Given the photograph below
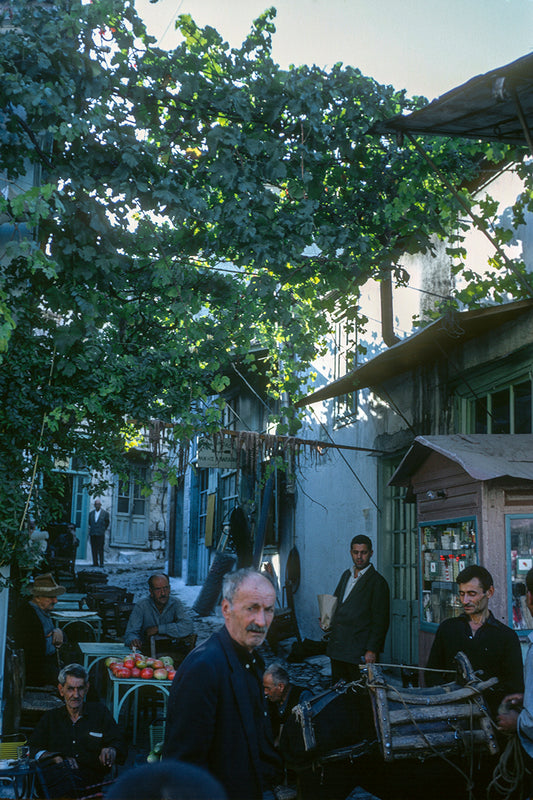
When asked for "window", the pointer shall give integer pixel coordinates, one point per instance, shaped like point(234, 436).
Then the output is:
point(520, 542)
point(345, 361)
point(203, 486)
point(130, 499)
point(505, 410)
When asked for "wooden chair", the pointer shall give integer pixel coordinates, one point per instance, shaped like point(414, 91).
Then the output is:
point(122, 613)
point(25, 705)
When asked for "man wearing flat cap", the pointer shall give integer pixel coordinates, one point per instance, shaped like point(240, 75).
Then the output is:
point(35, 632)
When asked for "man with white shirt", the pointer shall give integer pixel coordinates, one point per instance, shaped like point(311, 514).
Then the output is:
point(98, 524)
point(361, 619)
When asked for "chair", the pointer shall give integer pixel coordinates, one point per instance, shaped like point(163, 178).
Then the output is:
point(176, 648)
point(103, 599)
point(122, 613)
point(9, 744)
point(24, 704)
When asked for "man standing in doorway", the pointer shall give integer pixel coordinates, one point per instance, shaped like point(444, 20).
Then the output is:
point(361, 619)
point(217, 716)
point(98, 524)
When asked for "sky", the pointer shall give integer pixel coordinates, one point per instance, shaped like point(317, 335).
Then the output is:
point(424, 46)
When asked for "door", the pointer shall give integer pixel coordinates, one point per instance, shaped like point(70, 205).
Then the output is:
point(130, 522)
point(399, 560)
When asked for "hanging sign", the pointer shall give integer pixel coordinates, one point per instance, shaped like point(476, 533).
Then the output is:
point(225, 456)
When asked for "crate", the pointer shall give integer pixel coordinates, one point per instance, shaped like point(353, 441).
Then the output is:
point(156, 731)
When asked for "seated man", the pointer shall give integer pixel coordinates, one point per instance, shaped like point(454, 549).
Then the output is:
point(282, 696)
point(76, 744)
point(36, 634)
point(162, 616)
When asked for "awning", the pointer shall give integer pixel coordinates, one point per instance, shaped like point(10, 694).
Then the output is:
point(496, 106)
point(426, 345)
point(483, 456)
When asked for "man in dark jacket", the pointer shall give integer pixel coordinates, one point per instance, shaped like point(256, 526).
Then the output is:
point(361, 619)
point(78, 743)
point(492, 647)
point(217, 714)
point(36, 634)
point(98, 524)
point(282, 696)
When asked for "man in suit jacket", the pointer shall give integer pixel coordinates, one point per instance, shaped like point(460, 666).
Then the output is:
point(361, 619)
point(98, 524)
point(217, 717)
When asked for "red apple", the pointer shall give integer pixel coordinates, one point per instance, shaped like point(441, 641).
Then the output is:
point(129, 662)
point(158, 664)
point(171, 674)
point(160, 674)
point(150, 662)
point(147, 673)
point(135, 672)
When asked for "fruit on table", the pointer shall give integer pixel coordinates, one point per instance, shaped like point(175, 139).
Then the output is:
point(147, 673)
point(135, 665)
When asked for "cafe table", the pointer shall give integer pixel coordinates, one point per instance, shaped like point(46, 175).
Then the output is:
point(24, 778)
point(98, 651)
point(66, 604)
point(92, 620)
point(123, 688)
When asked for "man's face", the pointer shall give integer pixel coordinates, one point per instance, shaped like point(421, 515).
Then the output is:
point(473, 597)
point(73, 692)
point(160, 591)
point(97, 505)
point(273, 691)
point(45, 603)
point(248, 618)
point(361, 555)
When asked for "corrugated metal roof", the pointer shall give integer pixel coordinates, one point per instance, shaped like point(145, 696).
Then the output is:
point(484, 456)
point(426, 345)
point(486, 107)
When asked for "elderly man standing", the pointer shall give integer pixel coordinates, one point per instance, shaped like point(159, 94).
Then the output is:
point(217, 716)
point(36, 634)
point(78, 743)
point(98, 524)
point(158, 615)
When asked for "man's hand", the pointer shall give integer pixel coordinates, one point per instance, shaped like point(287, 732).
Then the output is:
point(107, 756)
point(136, 643)
point(57, 759)
point(508, 712)
point(152, 630)
point(57, 637)
point(370, 657)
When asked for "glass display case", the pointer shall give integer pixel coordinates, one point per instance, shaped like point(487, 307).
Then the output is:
point(520, 539)
point(445, 549)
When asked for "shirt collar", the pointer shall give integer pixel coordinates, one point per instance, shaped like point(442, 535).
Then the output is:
point(361, 571)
